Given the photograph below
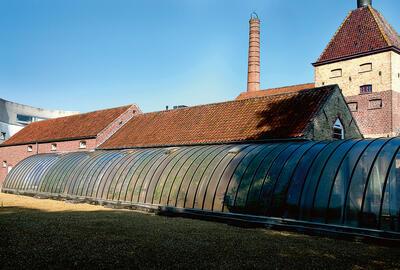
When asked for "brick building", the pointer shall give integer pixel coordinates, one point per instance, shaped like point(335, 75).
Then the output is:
point(310, 114)
point(81, 132)
point(363, 58)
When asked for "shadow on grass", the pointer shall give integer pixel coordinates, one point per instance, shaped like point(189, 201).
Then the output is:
point(127, 239)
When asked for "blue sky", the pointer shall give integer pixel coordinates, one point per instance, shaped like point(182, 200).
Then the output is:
point(91, 54)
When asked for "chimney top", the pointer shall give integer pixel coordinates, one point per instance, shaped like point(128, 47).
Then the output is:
point(364, 3)
point(254, 16)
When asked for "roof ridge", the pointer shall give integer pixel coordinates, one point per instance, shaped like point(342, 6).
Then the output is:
point(374, 15)
point(382, 22)
point(287, 86)
point(234, 101)
point(296, 92)
point(334, 35)
point(80, 114)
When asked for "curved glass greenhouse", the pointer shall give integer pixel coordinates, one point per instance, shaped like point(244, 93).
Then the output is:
point(350, 183)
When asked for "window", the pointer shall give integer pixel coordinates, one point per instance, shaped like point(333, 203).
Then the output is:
point(335, 73)
point(53, 147)
point(375, 104)
point(353, 106)
point(4, 164)
point(27, 119)
point(30, 148)
point(82, 144)
point(366, 89)
point(24, 119)
point(366, 67)
point(3, 136)
point(338, 130)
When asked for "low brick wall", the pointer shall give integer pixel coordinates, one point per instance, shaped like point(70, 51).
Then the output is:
point(12, 155)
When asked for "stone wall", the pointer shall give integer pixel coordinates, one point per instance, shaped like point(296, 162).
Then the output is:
point(395, 71)
point(322, 126)
point(380, 76)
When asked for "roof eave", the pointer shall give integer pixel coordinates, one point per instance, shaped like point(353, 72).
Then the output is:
point(299, 138)
point(4, 144)
point(353, 56)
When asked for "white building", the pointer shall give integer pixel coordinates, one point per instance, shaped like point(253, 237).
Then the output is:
point(14, 117)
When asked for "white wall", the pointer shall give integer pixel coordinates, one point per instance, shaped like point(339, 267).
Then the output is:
point(9, 129)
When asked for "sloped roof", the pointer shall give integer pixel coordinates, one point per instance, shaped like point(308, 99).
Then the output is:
point(364, 31)
point(279, 116)
point(274, 91)
point(79, 126)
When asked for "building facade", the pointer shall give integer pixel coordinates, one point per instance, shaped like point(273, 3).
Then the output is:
point(15, 116)
point(363, 58)
point(310, 114)
point(80, 132)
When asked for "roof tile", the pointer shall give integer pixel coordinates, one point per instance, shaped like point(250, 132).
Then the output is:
point(66, 128)
point(364, 30)
point(279, 116)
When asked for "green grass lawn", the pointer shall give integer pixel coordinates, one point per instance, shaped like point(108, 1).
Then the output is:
point(45, 234)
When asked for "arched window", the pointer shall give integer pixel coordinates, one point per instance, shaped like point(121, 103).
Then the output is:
point(338, 130)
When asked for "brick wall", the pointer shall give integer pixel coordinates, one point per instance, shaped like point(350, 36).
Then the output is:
point(373, 113)
point(377, 114)
point(14, 154)
point(116, 125)
point(396, 113)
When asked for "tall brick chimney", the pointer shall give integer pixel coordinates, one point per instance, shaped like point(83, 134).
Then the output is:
point(253, 74)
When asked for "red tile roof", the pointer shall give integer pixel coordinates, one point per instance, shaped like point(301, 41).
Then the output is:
point(274, 91)
point(79, 126)
point(279, 116)
point(363, 31)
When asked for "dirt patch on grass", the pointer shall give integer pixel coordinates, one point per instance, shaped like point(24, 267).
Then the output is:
point(46, 234)
point(45, 205)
